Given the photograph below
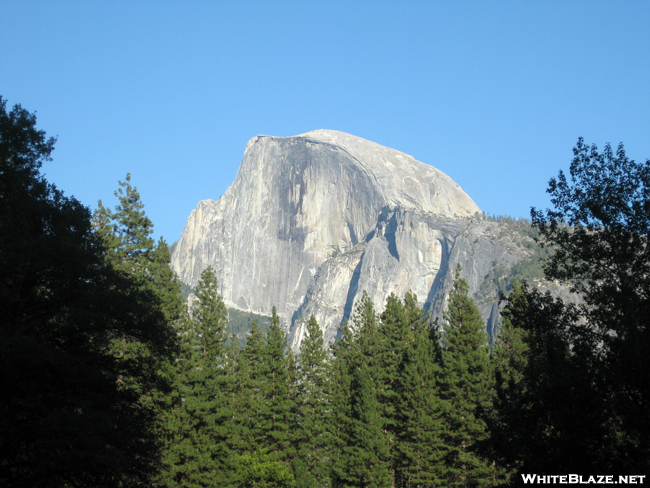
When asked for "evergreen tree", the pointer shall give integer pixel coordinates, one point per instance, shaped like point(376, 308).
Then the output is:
point(340, 419)
point(421, 448)
point(368, 452)
point(126, 232)
point(412, 407)
point(465, 383)
point(235, 433)
point(198, 450)
point(363, 443)
point(125, 235)
point(312, 408)
point(277, 397)
point(251, 378)
point(510, 352)
point(395, 336)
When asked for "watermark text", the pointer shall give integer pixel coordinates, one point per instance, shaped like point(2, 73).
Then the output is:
point(576, 479)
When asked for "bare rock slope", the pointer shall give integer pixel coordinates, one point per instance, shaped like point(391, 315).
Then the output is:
point(313, 220)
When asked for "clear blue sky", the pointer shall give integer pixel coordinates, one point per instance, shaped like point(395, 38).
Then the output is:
point(493, 93)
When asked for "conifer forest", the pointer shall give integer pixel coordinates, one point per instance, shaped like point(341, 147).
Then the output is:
point(110, 379)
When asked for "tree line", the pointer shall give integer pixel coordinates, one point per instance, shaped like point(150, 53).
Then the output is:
point(110, 379)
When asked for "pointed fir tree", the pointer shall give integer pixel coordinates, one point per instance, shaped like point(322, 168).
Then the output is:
point(339, 424)
point(421, 447)
point(250, 402)
point(126, 232)
point(211, 318)
point(465, 383)
point(395, 336)
point(126, 237)
point(127, 247)
point(367, 462)
point(277, 395)
point(311, 408)
point(399, 321)
point(414, 412)
point(362, 443)
point(510, 351)
point(198, 448)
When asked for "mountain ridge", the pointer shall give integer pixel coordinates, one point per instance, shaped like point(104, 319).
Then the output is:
point(313, 220)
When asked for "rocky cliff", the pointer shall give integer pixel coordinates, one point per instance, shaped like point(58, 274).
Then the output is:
point(313, 220)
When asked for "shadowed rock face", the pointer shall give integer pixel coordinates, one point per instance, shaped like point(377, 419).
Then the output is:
point(313, 220)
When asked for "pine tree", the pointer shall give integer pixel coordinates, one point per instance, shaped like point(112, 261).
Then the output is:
point(395, 336)
point(339, 423)
point(125, 236)
point(129, 249)
point(362, 443)
point(465, 383)
point(126, 232)
point(368, 451)
point(277, 395)
point(412, 407)
point(311, 408)
point(251, 379)
point(421, 448)
point(198, 449)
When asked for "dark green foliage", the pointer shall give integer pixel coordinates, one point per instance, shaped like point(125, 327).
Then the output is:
point(312, 408)
point(414, 410)
point(73, 412)
point(389, 420)
point(510, 359)
point(549, 417)
point(125, 235)
point(277, 395)
point(362, 447)
point(421, 447)
point(340, 418)
point(466, 383)
point(211, 318)
point(599, 234)
point(260, 402)
point(368, 452)
point(249, 401)
point(511, 348)
point(131, 252)
point(199, 420)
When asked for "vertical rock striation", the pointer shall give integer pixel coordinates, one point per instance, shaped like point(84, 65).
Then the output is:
point(313, 220)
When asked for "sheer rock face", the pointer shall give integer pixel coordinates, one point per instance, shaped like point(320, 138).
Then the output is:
point(313, 220)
